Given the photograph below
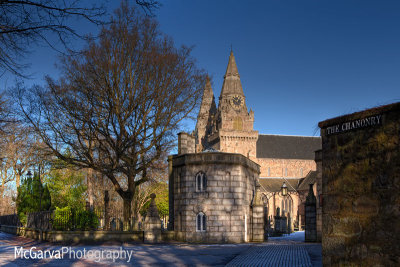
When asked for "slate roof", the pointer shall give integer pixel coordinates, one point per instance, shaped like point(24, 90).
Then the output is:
point(275, 184)
point(311, 178)
point(287, 147)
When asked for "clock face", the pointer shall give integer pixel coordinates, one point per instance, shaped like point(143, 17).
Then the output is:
point(237, 101)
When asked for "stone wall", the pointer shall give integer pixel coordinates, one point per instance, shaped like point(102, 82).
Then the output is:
point(242, 142)
point(74, 236)
point(186, 143)
point(277, 167)
point(226, 202)
point(318, 193)
point(361, 185)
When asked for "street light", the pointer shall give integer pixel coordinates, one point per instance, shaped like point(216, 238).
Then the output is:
point(284, 189)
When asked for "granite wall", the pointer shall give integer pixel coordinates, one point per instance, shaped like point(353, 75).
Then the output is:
point(361, 185)
point(229, 200)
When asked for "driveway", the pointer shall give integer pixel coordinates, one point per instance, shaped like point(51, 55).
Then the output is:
point(285, 251)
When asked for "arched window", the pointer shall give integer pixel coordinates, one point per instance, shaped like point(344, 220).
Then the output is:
point(301, 172)
point(286, 206)
point(201, 181)
point(201, 222)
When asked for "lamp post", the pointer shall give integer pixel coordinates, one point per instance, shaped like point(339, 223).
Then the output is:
point(284, 189)
point(29, 174)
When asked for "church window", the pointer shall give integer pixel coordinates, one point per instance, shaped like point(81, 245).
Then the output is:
point(201, 181)
point(238, 124)
point(269, 171)
point(285, 171)
point(201, 222)
point(286, 206)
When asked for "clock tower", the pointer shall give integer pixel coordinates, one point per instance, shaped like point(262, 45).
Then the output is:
point(233, 131)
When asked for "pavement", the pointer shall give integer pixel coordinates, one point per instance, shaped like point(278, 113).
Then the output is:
point(289, 250)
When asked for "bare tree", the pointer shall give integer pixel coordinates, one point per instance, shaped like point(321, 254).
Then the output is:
point(157, 176)
point(19, 151)
point(118, 107)
point(23, 22)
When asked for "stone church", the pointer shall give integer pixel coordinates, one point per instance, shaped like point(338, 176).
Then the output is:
point(226, 180)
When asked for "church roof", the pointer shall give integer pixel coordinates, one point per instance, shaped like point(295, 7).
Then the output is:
point(275, 184)
point(287, 147)
point(311, 178)
point(232, 84)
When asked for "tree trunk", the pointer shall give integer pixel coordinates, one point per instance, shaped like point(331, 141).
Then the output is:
point(90, 187)
point(18, 180)
point(2, 204)
point(127, 213)
point(136, 219)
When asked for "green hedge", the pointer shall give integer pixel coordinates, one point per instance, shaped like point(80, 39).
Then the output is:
point(68, 219)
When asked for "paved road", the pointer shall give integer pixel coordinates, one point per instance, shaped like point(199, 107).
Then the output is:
point(287, 251)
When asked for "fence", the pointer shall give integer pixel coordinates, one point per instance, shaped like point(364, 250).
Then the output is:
point(39, 220)
point(11, 219)
point(69, 220)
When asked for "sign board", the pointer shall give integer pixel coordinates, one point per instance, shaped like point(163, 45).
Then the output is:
point(355, 124)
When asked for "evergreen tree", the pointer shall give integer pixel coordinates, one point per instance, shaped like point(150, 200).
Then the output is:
point(32, 196)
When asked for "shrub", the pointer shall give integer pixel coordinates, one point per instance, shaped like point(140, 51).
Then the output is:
point(63, 219)
point(68, 219)
point(87, 220)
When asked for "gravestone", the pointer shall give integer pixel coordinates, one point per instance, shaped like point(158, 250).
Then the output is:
point(152, 223)
point(311, 216)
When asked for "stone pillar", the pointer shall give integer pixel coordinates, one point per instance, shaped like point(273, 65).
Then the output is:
point(186, 143)
point(311, 216)
point(152, 223)
point(318, 160)
point(106, 210)
point(171, 184)
point(258, 217)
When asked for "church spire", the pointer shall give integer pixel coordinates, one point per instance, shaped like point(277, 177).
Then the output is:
point(232, 84)
point(208, 100)
point(232, 68)
point(206, 114)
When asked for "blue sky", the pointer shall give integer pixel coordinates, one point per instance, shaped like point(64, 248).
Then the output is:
point(300, 62)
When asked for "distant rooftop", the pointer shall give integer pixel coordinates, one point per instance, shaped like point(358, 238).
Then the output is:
point(311, 178)
point(287, 146)
point(275, 184)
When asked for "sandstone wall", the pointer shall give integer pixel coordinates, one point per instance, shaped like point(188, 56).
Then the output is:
point(277, 167)
point(318, 192)
point(240, 142)
point(361, 183)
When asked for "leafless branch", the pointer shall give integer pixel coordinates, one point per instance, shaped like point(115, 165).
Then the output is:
point(118, 107)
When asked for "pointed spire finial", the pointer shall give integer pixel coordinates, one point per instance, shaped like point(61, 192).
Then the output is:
point(231, 68)
point(232, 84)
